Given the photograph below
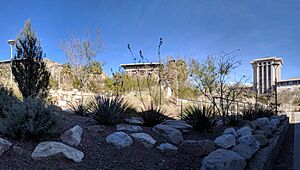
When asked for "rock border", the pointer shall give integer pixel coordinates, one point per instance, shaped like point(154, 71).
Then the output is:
point(266, 157)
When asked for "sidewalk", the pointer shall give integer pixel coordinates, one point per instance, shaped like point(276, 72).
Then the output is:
point(295, 118)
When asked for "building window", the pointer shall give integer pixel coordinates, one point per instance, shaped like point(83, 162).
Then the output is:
point(265, 79)
point(260, 79)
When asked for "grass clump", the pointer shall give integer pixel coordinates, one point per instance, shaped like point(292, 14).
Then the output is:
point(201, 118)
point(152, 116)
point(110, 111)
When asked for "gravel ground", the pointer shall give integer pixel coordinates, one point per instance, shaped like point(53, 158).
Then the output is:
point(100, 155)
point(285, 159)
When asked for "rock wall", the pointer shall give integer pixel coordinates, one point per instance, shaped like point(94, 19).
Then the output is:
point(64, 98)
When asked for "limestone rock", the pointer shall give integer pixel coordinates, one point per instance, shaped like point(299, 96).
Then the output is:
point(168, 148)
point(261, 139)
point(197, 148)
point(246, 130)
point(96, 128)
point(4, 145)
point(17, 150)
point(268, 130)
point(223, 159)
point(144, 138)
point(178, 124)
point(244, 150)
point(274, 123)
point(230, 131)
point(135, 120)
point(250, 141)
point(225, 141)
point(50, 148)
point(72, 136)
point(119, 139)
point(171, 134)
point(262, 121)
point(129, 128)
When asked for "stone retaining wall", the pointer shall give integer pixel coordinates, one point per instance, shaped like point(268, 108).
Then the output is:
point(64, 98)
point(266, 157)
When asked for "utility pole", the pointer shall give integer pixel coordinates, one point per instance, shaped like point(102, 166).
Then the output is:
point(275, 65)
point(11, 44)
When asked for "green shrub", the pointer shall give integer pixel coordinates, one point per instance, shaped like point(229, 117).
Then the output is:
point(201, 118)
point(7, 99)
point(28, 120)
point(152, 116)
point(80, 108)
point(110, 111)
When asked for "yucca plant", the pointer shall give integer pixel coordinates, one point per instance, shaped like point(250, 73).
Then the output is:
point(80, 108)
point(152, 116)
point(201, 118)
point(234, 119)
point(264, 112)
point(249, 114)
point(110, 111)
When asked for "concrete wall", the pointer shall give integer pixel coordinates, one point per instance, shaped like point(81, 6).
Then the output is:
point(64, 98)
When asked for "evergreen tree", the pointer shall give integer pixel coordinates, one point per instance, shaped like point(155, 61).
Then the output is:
point(28, 66)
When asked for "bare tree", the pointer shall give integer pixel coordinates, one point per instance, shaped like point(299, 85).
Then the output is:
point(82, 51)
point(211, 77)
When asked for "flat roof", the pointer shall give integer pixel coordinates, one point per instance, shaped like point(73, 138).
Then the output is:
point(267, 58)
point(140, 64)
point(290, 79)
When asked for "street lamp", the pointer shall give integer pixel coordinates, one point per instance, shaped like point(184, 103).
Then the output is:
point(275, 65)
point(11, 44)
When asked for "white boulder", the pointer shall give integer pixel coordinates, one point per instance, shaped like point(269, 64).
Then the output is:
point(178, 124)
point(197, 148)
point(135, 120)
point(230, 131)
point(225, 141)
point(72, 136)
point(168, 148)
point(262, 121)
point(244, 150)
point(144, 139)
point(119, 139)
point(250, 141)
point(171, 134)
point(246, 130)
point(129, 128)
point(50, 148)
point(223, 159)
point(4, 145)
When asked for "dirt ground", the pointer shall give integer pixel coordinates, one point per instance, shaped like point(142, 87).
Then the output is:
point(100, 155)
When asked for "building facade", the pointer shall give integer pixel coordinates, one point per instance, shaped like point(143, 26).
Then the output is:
point(142, 69)
point(265, 71)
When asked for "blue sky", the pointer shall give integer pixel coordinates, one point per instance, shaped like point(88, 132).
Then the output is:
point(189, 28)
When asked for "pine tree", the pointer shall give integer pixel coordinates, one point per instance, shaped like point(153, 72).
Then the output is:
point(28, 67)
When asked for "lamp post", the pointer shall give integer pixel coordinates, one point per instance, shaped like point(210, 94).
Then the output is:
point(11, 44)
point(275, 65)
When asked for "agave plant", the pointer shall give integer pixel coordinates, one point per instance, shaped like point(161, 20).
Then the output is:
point(80, 108)
point(201, 118)
point(152, 116)
point(110, 111)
